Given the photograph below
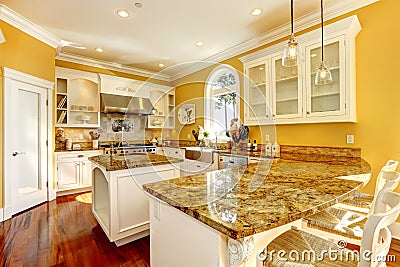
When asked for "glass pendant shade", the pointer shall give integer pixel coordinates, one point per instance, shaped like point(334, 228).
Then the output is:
point(291, 54)
point(323, 75)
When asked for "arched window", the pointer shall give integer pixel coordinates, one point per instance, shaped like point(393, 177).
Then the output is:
point(221, 103)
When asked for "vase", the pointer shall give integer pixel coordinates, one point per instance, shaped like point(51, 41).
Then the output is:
point(95, 144)
point(236, 146)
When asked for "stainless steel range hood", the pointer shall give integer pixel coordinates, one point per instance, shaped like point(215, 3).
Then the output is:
point(126, 104)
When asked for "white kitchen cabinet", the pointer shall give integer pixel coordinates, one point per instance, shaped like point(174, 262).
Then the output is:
point(330, 99)
point(78, 99)
point(286, 89)
point(257, 94)
point(74, 171)
point(119, 203)
point(192, 167)
point(173, 152)
point(275, 94)
point(163, 100)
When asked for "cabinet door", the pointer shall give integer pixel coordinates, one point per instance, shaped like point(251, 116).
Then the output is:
point(68, 174)
point(329, 99)
point(86, 179)
point(286, 90)
point(257, 98)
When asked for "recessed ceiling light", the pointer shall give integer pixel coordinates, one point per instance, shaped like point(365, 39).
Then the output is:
point(99, 49)
point(123, 13)
point(256, 11)
point(138, 5)
point(199, 43)
point(161, 65)
point(313, 55)
point(261, 68)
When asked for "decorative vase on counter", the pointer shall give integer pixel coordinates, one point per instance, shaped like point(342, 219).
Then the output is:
point(95, 144)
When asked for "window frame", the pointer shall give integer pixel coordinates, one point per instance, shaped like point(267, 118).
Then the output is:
point(210, 92)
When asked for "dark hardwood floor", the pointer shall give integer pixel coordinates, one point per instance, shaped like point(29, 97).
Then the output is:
point(65, 233)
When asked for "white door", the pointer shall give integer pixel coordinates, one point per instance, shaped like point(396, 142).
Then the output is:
point(27, 131)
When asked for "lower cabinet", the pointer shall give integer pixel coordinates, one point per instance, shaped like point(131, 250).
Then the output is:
point(74, 171)
point(192, 167)
point(120, 205)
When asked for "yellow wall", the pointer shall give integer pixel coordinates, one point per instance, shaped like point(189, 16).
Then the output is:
point(377, 130)
point(26, 54)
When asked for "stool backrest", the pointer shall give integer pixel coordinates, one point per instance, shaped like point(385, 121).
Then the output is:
point(376, 235)
point(385, 179)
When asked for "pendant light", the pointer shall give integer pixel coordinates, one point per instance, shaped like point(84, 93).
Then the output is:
point(292, 51)
point(323, 75)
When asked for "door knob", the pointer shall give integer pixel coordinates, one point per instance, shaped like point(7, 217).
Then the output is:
point(18, 153)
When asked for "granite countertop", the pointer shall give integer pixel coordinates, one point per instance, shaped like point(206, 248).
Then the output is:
point(243, 201)
point(77, 150)
point(137, 160)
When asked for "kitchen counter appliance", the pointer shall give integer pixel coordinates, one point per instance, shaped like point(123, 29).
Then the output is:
point(128, 149)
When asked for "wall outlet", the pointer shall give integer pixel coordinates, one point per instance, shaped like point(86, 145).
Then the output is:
point(350, 139)
point(188, 136)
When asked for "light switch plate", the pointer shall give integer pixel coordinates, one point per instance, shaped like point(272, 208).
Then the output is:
point(350, 139)
point(188, 136)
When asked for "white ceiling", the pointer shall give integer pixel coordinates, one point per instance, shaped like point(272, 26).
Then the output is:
point(161, 31)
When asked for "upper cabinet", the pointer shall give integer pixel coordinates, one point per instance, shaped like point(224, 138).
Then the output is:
point(280, 95)
point(163, 100)
point(78, 99)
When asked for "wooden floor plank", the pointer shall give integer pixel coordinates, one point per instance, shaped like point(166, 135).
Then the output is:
point(64, 233)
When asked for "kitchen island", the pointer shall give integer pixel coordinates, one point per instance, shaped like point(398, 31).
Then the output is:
point(223, 218)
point(120, 205)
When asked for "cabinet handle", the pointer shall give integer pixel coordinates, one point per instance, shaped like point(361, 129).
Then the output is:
point(80, 156)
point(266, 116)
point(273, 115)
point(308, 112)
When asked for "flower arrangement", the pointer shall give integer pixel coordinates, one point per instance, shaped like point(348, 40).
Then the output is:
point(95, 136)
point(200, 135)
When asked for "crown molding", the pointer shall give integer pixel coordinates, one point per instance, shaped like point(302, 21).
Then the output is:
point(280, 32)
point(13, 18)
point(26, 78)
point(350, 25)
point(111, 66)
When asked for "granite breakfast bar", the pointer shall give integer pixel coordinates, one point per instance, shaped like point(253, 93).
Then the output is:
point(119, 203)
point(222, 218)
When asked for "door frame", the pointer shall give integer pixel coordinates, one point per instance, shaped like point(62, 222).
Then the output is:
point(10, 76)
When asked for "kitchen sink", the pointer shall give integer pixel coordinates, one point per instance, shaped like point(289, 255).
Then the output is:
point(202, 154)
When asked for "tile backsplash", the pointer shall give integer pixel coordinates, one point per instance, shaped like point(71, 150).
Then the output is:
point(134, 129)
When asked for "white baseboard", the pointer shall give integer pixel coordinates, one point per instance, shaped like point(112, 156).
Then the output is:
point(395, 230)
point(7, 213)
point(52, 194)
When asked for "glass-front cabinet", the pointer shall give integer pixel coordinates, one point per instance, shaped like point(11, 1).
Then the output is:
point(280, 95)
point(286, 90)
point(257, 97)
point(328, 99)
